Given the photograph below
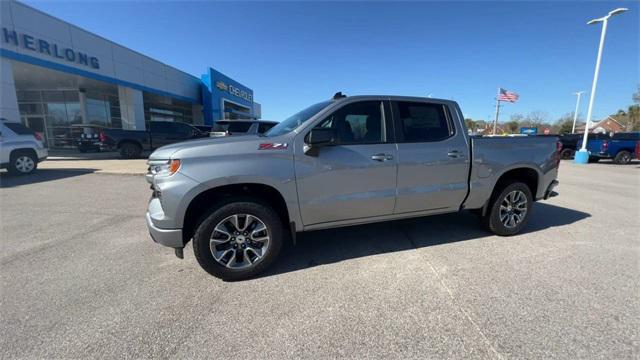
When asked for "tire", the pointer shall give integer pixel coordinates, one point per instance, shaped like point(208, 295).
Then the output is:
point(622, 157)
point(225, 264)
point(594, 159)
point(567, 154)
point(511, 194)
point(23, 163)
point(130, 151)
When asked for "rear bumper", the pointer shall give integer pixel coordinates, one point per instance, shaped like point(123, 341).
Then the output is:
point(42, 153)
point(167, 237)
point(549, 192)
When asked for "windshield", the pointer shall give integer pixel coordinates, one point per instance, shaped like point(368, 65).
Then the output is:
point(297, 119)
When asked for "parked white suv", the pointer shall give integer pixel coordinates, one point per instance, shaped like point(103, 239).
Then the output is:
point(20, 148)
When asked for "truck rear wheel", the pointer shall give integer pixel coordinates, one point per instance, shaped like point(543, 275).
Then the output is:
point(238, 240)
point(130, 150)
point(622, 158)
point(510, 210)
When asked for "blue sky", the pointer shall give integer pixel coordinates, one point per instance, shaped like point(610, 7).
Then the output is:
point(296, 53)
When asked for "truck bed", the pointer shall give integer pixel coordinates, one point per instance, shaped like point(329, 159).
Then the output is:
point(493, 156)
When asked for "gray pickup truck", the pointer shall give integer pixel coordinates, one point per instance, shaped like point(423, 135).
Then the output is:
point(346, 161)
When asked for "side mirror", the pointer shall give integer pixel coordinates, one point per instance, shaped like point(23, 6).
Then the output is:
point(321, 136)
point(318, 138)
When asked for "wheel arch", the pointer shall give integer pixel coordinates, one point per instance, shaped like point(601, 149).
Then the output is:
point(525, 174)
point(17, 151)
point(206, 199)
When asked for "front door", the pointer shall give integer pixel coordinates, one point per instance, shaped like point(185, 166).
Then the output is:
point(355, 177)
point(433, 165)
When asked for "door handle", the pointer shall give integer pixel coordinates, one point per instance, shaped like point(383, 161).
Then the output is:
point(455, 154)
point(381, 157)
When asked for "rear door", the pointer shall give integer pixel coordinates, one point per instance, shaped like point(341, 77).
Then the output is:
point(433, 157)
point(354, 178)
point(165, 133)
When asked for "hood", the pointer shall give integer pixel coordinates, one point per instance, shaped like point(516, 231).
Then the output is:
point(208, 146)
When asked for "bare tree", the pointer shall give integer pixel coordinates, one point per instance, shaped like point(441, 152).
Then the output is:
point(537, 118)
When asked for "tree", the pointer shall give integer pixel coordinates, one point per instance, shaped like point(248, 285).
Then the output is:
point(537, 118)
point(512, 127)
point(563, 125)
point(636, 96)
point(471, 125)
point(633, 116)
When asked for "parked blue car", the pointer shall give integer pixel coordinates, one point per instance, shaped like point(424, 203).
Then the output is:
point(621, 147)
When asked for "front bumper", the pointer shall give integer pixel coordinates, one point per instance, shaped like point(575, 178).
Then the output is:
point(167, 237)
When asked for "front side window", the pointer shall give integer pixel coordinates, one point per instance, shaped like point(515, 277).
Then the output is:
point(238, 127)
point(421, 122)
point(294, 121)
point(183, 129)
point(358, 123)
point(264, 127)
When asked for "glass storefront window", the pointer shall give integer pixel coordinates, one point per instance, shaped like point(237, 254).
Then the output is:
point(57, 113)
point(30, 109)
point(74, 116)
point(28, 96)
point(71, 96)
point(162, 108)
point(53, 96)
point(97, 112)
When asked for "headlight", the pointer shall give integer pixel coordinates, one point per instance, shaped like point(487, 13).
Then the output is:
point(164, 167)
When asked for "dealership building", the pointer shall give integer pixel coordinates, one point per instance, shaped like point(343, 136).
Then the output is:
point(58, 78)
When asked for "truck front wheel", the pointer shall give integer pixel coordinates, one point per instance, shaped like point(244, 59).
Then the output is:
point(238, 240)
point(510, 210)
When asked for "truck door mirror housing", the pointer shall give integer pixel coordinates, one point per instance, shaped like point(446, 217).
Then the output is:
point(321, 136)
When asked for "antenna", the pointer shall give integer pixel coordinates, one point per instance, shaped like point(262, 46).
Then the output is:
point(339, 95)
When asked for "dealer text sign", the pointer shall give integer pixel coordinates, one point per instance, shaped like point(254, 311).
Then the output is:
point(44, 47)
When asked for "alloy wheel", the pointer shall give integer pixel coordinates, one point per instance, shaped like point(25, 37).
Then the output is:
point(239, 241)
point(25, 164)
point(513, 209)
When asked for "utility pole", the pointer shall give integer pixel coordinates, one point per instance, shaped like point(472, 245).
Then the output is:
point(575, 113)
point(495, 122)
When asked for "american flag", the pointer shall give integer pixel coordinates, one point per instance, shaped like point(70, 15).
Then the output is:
point(506, 95)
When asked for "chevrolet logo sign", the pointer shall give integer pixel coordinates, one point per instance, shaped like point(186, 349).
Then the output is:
point(222, 86)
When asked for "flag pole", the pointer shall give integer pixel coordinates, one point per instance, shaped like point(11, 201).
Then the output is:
point(495, 122)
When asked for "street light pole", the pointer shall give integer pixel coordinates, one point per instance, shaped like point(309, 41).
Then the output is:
point(582, 156)
point(575, 113)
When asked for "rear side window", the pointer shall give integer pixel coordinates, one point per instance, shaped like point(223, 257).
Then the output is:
point(18, 128)
point(238, 127)
point(264, 127)
point(421, 122)
point(183, 129)
point(626, 136)
point(160, 127)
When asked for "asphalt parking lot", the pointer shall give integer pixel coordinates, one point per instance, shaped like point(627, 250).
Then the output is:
point(80, 278)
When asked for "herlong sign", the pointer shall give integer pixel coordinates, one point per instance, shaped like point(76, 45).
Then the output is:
point(32, 43)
